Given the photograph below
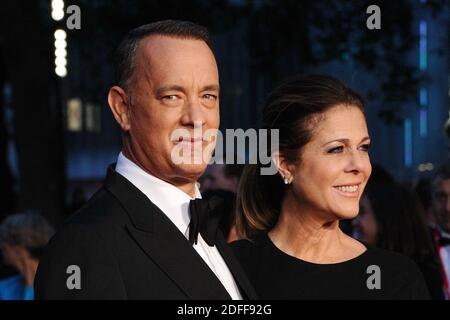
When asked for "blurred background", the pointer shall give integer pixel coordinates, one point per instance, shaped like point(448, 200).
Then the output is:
point(57, 135)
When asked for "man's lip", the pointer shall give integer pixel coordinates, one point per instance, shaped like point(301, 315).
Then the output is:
point(191, 140)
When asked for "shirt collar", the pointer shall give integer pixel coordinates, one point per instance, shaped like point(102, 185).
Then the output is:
point(173, 202)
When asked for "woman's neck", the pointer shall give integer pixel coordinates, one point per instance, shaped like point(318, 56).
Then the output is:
point(310, 236)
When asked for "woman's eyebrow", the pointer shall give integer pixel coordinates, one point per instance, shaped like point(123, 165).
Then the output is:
point(345, 140)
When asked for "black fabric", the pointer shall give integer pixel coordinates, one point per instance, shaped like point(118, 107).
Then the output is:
point(277, 275)
point(443, 241)
point(126, 248)
point(206, 215)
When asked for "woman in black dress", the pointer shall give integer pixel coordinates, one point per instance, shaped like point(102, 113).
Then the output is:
point(292, 246)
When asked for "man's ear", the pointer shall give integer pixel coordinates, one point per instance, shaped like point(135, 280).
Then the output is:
point(282, 165)
point(119, 103)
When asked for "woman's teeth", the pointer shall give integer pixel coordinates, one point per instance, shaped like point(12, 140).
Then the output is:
point(347, 188)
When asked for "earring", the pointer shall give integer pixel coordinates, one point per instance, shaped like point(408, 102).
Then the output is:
point(286, 180)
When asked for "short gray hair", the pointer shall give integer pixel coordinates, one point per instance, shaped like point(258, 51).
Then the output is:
point(124, 60)
point(28, 229)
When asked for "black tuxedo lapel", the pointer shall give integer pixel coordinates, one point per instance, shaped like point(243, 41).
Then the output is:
point(239, 275)
point(163, 242)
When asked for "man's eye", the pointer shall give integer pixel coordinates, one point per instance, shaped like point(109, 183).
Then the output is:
point(336, 150)
point(210, 97)
point(170, 98)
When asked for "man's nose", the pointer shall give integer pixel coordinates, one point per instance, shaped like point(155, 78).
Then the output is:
point(193, 115)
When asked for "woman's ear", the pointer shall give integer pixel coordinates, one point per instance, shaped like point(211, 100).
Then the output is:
point(119, 103)
point(282, 165)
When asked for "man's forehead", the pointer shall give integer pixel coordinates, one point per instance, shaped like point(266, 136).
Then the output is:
point(166, 59)
point(161, 45)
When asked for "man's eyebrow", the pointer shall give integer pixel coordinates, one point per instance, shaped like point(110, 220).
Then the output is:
point(211, 87)
point(345, 141)
point(172, 87)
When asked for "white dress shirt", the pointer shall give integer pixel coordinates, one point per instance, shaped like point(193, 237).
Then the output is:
point(174, 203)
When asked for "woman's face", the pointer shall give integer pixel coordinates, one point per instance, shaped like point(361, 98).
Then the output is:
point(334, 166)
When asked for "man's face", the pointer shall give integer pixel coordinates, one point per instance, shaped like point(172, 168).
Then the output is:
point(441, 203)
point(175, 86)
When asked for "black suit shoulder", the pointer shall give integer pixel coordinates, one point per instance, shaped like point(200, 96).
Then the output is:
point(101, 212)
point(84, 246)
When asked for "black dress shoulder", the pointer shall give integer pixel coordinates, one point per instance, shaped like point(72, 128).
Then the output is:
point(375, 274)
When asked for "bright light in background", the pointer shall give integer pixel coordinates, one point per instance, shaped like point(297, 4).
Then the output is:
point(423, 45)
point(60, 34)
point(61, 71)
point(423, 115)
point(57, 9)
point(423, 65)
point(60, 53)
point(425, 167)
point(74, 114)
point(408, 142)
point(423, 96)
point(423, 122)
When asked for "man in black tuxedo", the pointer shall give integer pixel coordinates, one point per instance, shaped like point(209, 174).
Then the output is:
point(143, 235)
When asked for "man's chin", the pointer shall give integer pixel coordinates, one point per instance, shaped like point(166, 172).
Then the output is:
point(191, 171)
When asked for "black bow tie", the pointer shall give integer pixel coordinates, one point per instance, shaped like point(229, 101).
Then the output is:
point(205, 219)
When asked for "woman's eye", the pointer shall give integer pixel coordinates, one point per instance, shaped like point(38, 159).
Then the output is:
point(336, 150)
point(365, 147)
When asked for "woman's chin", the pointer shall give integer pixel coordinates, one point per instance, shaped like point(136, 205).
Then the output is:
point(347, 214)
